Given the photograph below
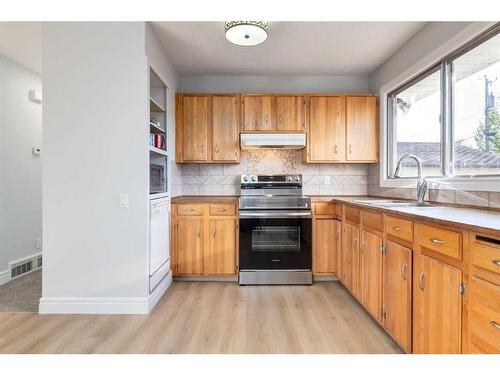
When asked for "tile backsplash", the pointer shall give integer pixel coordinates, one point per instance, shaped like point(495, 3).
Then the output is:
point(224, 179)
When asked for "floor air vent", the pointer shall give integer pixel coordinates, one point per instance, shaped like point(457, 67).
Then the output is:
point(21, 268)
point(39, 261)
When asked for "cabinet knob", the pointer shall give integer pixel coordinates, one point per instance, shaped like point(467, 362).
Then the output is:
point(198, 232)
point(421, 281)
point(495, 324)
point(213, 233)
point(350, 149)
point(216, 149)
point(496, 262)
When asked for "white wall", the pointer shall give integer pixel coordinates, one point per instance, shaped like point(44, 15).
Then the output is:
point(20, 171)
point(337, 84)
point(95, 147)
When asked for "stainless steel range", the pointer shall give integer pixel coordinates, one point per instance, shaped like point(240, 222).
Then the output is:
point(275, 230)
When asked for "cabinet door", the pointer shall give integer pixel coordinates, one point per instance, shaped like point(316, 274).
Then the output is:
point(397, 293)
point(350, 244)
point(326, 128)
point(362, 132)
point(371, 273)
point(195, 128)
point(338, 247)
point(324, 254)
point(221, 257)
point(225, 128)
point(290, 112)
point(258, 112)
point(437, 308)
point(189, 246)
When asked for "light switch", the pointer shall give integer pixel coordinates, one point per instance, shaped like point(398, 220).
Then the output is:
point(38, 243)
point(123, 201)
point(327, 180)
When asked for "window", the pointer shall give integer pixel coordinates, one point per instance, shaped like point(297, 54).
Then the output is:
point(449, 116)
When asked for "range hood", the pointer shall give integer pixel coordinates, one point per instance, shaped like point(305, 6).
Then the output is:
point(251, 141)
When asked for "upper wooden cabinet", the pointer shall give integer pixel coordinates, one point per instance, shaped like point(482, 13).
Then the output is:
point(362, 130)
point(225, 119)
point(258, 113)
point(326, 141)
point(207, 128)
point(290, 113)
point(192, 126)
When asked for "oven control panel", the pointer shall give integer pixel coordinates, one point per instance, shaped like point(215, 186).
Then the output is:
point(271, 179)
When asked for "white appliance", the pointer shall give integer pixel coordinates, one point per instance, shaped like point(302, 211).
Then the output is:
point(250, 141)
point(159, 251)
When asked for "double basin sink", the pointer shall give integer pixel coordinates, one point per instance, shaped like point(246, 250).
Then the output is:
point(389, 203)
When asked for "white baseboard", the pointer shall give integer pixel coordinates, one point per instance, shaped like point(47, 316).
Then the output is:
point(84, 305)
point(159, 291)
point(4, 276)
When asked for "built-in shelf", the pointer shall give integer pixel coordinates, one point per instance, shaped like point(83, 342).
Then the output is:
point(158, 150)
point(154, 106)
point(158, 195)
point(153, 128)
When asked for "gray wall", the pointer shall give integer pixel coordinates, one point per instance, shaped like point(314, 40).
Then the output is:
point(337, 84)
point(20, 171)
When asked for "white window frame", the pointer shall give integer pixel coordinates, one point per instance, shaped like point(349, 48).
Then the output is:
point(470, 37)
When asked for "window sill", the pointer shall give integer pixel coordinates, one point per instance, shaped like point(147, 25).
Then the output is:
point(447, 183)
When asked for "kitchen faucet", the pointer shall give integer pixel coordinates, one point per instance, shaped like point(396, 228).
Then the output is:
point(421, 182)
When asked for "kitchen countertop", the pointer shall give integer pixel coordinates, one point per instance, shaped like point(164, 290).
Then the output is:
point(468, 218)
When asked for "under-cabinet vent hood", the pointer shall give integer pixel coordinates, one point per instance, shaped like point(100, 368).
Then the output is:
point(250, 141)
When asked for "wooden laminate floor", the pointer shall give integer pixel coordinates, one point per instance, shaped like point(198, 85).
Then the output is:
point(211, 317)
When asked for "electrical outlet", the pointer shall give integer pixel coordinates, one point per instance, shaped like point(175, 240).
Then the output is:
point(327, 180)
point(123, 201)
point(38, 243)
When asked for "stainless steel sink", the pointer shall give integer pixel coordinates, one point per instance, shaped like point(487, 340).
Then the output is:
point(388, 203)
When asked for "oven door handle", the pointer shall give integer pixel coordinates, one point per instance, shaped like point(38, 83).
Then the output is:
point(275, 214)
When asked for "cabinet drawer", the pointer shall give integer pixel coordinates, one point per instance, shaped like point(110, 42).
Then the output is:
point(324, 208)
point(189, 209)
point(222, 209)
point(352, 214)
point(400, 228)
point(441, 241)
point(486, 256)
point(372, 220)
point(484, 319)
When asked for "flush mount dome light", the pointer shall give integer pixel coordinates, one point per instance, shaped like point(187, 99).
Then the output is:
point(246, 33)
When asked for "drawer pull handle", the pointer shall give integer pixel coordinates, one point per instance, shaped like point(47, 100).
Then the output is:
point(435, 240)
point(190, 209)
point(495, 324)
point(421, 281)
point(213, 233)
point(198, 232)
point(403, 271)
point(222, 209)
point(496, 262)
point(355, 244)
point(397, 229)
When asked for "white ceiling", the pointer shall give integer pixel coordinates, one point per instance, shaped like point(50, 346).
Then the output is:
point(293, 48)
point(22, 42)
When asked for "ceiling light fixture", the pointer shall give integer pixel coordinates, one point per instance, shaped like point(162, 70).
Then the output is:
point(246, 33)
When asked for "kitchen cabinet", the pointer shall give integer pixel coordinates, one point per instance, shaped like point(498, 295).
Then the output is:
point(221, 257)
point(326, 136)
point(484, 295)
point(437, 307)
point(290, 113)
point(258, 113)
point(349, 259)
point(207, 128)
point(361, 129)
point(204, 238)
point(371, 273)
point(225, 120)
point(189, 246)
point(397, 266)
point(192, 123)
point(324, 245)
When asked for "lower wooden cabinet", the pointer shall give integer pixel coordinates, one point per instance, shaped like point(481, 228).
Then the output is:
point(371, 273)
point(349, 247)
point(204, 239)
point(325, 248)
point(221, 257)
point(437, 307)
point(397, 264)
point(189, 246)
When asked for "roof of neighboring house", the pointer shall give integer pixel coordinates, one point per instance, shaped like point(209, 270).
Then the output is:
point(430, 153)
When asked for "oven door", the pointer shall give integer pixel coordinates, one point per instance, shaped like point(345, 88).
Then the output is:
point(275, 240)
